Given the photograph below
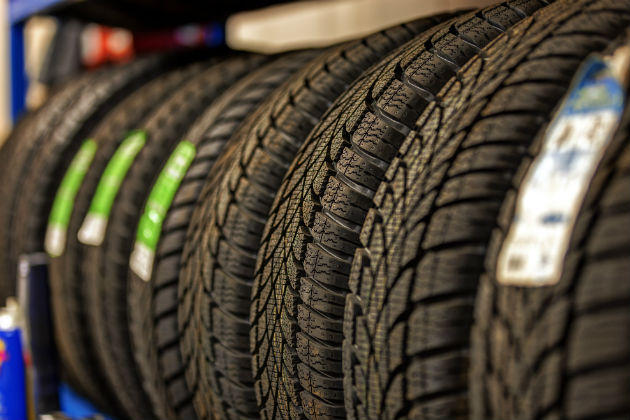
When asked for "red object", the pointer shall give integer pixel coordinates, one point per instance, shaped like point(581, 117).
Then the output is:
point(169, 39)
point(102, 44)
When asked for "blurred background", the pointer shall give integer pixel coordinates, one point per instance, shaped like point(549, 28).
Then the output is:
point(59, 37)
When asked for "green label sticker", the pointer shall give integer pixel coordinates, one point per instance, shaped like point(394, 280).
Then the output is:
point(55, 241)
point(160, 199)
point(92, 230)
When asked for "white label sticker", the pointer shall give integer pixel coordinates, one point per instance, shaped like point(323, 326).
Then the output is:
point(553, 190)
point(55, 240)
point(92, 230)
point(141, 261)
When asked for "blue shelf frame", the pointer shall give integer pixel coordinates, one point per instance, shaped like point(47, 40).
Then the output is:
point(19, 10)
point(19, 80)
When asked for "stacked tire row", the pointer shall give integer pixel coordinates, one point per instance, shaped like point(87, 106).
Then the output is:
point(318, 234)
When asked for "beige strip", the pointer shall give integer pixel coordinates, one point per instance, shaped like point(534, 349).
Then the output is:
point(325, 22)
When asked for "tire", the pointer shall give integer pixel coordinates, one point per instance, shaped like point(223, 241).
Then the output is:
point(313, 229)
point(34, 202)
point(37, 189)
point(18, 134)
point(106, 266)
point(413, 283)
point(562, 351)
point(219, 256)
point(73, 331)
point(153, 304)
point(17, 153)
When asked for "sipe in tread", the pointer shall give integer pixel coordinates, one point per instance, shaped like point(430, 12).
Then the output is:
point(313, 230)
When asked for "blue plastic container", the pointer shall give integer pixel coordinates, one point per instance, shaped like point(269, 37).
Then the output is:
point(12, 369)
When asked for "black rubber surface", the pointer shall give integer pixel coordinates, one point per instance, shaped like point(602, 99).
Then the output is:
point(153, 304)
point(49, 156)
point(107, 266)
point(413, 284)
point(17, 153)
point(54, 153)
point(20, 131)
point(223, 239)
point(313, 229)
point(73, 331)
point(213, 342)
point(563, 351)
